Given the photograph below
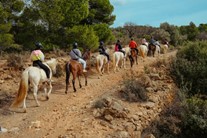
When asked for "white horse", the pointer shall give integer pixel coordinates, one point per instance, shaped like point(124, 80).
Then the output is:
point(102, 60)
point(127, 51)
point(143, 49)
point(118, 58)
point(34, 75)
point(163, 48)
point(157, 51)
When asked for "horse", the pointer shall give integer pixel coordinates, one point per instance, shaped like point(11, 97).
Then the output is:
point(153, 49)
point(143, 49)
point(127, 51)
point(163, 48)
point(118, 57)
point(35, 76)
point(102, 60)
point(133, 57)
point(76, 69)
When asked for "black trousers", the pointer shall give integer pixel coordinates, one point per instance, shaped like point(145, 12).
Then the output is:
point(43, 66)
point(107, 55)
point(120, 50)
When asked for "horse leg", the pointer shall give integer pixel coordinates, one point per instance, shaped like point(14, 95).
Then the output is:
point(73, 81)
point(50, 90)
point(86, 81)
point(79, 80)
point(67, 79)
point(24, 104)
point(35, 94)
point(136, 60)
point(108, 67)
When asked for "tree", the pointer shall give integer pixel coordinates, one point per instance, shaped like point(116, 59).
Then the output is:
point(100, 11)
point(130, 28)
point(103, 32)
point(8, 11)
point(84, 35)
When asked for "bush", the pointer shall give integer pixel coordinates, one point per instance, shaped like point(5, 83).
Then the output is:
point(190, 68)
point(134, 91)
point(194, 118)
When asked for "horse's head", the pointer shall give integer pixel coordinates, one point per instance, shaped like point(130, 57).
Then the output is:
point(87, 54)
point(52, 64)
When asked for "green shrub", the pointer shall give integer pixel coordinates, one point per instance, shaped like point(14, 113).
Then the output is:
point(190, 67)
point(194, 118)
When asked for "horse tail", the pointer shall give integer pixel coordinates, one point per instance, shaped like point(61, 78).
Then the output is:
point(23, 88)
point(67, 70)
point(142, 52)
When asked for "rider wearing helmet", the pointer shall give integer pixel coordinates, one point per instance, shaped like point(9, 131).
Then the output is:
point(38, 57)
point(118, 47)
point(133, 45)
point(75, 54)
point(102, 50)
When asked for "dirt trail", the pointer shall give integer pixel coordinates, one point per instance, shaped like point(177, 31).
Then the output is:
point(69, 114)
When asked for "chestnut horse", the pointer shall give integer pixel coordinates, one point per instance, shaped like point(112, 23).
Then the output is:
point(76, 69)
point(133, 57)
point(153, 49)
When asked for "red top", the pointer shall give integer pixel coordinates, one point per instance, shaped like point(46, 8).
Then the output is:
point(116, 48)
point(132, 44)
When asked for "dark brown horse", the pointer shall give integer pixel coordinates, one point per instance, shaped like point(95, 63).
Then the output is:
point(133, 57)
point(152, 49)
point(76, 68)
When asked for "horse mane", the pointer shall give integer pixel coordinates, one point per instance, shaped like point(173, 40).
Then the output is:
point(52, 62)
point(86, 54)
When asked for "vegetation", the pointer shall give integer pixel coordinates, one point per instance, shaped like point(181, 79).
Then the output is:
point(186, 117)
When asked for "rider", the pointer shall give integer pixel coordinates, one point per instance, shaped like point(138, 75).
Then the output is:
point(133, 45)
point(75, 54)
point(152, 41)
point(38, 57)
point(157, 43)
point(102, 50)
point(144, 41)
point(118, 47)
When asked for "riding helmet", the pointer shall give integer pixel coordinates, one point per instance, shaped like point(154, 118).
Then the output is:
point(38, 45)
point(101, 43)
point(75, 45)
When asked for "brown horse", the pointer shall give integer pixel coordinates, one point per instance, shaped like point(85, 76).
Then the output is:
point(76, 69)
point(133, 57)
point(152, 49)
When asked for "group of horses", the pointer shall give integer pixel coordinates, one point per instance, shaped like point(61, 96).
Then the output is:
point(35, 76)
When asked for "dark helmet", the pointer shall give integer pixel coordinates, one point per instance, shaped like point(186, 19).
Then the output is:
point(101, 43)
point(75, 45)
point(38, 45)
point(118, 41)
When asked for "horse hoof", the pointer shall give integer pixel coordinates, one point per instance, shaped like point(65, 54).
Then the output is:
point(25, 111)
point(47, 97)
point(66, 92)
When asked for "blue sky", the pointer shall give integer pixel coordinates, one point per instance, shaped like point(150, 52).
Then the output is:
point(154, 12)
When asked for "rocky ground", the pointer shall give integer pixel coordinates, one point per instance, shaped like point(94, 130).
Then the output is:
point(94, 111)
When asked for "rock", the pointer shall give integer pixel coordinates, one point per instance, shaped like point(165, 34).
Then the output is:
point(149, 136)
point(108, 118)
point(3, 130)
point(36, 124)
point(121, 134)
